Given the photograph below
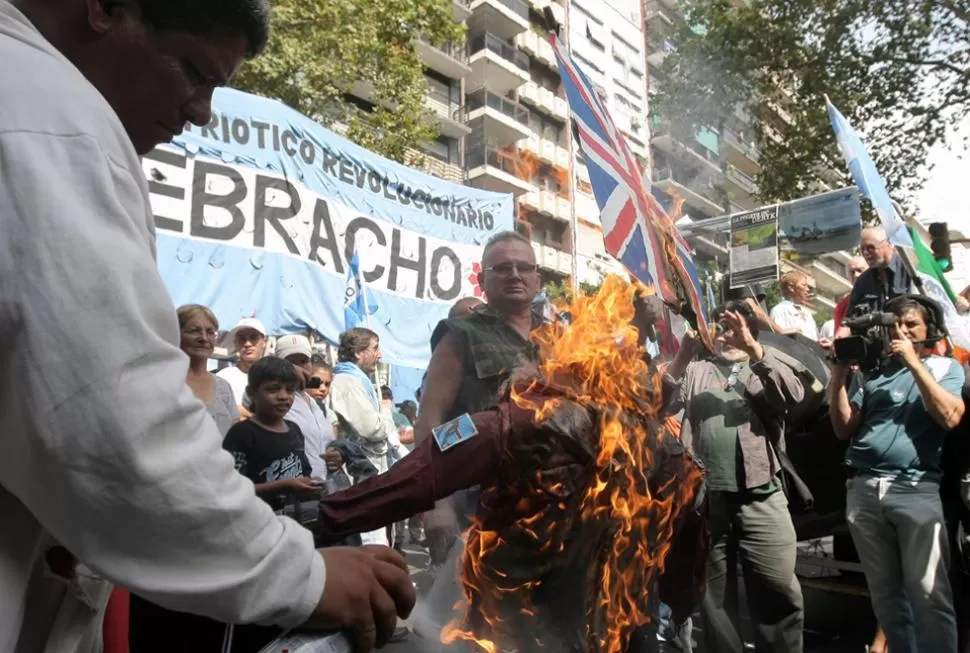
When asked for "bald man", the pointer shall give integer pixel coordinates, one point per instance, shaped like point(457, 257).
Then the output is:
point(886, 277)
point(857, 265)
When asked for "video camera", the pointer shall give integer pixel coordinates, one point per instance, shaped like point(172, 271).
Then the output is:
point(869, 342)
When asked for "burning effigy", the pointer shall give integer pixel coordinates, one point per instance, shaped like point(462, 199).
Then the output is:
point(590, 508)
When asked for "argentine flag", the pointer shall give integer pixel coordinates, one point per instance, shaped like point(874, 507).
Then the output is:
point(358, 306)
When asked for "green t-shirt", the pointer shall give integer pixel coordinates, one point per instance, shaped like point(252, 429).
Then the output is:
point(721, 410)
point(897, 438)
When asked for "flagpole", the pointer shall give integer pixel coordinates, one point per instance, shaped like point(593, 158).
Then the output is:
point(573, 218)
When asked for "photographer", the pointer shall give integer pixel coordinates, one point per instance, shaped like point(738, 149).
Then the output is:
point(897, 415)
point(729, 408)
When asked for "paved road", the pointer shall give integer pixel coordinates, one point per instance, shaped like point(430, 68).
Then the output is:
point(834, 622)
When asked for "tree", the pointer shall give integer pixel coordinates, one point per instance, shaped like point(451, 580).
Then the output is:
point(897, 70)
point(321, 49)
point(561, 292)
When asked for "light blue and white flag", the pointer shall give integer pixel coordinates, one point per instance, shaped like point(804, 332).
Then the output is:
point(358, 306)
point(867, 178)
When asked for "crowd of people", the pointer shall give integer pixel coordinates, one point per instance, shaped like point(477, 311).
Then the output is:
point(128, 464)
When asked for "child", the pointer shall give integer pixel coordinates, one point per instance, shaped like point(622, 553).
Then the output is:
point(268, 449)
point(269, 452)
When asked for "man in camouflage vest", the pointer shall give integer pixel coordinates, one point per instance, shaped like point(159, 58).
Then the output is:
point(472, 357)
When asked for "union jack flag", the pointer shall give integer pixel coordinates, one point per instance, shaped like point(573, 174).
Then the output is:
point(636, 229)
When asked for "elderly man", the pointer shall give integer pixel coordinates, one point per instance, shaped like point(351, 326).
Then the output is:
point(886, 277)
point(730, 410)
point(897, 417)
point(111, 468)
point(792, 313)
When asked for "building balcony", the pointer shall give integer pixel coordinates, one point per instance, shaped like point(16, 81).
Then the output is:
point(460, 10)
point(449, 59)
point(496, 65)
point(502, 120)
point(434, 166)
point(745, 185)
point(695, 154)
point(657, 14)
point(659, 53)
point(553, 259)
point(544, 100)
point(451, 117)
point(742, 154)
point(829, 280)
point(491, 168)
point(699, 195)
point(548, 203)
point(505, 18)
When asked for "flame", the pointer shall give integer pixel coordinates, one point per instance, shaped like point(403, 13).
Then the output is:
point(596, 361)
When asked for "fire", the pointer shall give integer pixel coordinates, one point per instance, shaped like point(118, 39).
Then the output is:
point(615, 503)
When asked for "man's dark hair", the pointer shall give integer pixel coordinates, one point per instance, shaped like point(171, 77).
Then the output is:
point(249, 18)
point(742, 308)
point(352, 342)
point(271, 369)
point(386, 392)
point(902, 306)
point(503, 237)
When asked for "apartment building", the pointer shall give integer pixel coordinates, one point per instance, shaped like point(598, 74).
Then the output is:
point(715, 173)
point(504, 119)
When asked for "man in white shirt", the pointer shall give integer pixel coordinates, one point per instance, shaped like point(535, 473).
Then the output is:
point(248, 341)
point(354, 399)
point(111, 468)
point(792, 314)
point(306, 413)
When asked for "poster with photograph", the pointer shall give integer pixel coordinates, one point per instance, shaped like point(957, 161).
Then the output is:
point(754, 246)
point(820, 224)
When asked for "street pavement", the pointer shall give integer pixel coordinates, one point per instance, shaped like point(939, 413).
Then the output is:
point(835, 621)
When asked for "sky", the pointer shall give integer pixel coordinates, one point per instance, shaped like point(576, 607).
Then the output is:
point(945, 197)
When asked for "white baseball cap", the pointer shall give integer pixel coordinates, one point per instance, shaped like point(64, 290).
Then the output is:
point(292, 345)
point(229, 340)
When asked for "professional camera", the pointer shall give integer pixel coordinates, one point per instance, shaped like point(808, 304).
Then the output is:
point(871, 333)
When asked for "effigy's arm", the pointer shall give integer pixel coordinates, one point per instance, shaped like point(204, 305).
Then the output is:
point(422, 477)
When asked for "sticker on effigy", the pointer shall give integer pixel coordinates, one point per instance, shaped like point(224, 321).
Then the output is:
point(454, 432)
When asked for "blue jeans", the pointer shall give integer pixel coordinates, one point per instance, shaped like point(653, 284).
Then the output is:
point(900, 535)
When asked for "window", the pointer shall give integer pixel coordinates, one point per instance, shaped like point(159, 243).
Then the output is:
point(594, 32)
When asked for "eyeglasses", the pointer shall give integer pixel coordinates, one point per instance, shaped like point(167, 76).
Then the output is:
point(249, 336)
point(506, 269)
point(871, 247)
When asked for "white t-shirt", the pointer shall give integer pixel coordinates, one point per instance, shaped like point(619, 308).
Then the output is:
point(106, 452)
point(317, 432)
point(237, 380)
point(789, 315)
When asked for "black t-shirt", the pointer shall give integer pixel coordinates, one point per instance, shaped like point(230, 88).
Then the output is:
point(263, 456)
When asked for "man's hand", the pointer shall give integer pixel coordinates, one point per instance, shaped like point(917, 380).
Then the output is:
point(368, 588)
point(301, 486)
point(738, 335)
point(691, 344)
point(333, 458)
point(903, 347)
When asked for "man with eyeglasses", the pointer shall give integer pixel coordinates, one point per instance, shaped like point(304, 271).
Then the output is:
point(472, 357)
point(886, 277)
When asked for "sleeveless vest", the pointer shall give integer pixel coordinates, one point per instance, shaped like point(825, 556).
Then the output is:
point(490, 351)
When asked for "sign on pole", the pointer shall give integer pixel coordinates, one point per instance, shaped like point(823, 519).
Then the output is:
point(754, 246)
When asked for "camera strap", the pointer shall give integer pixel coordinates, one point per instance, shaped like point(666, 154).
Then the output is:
point(799, 495)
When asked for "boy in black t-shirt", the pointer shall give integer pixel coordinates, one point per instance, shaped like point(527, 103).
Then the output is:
point(268, 449)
